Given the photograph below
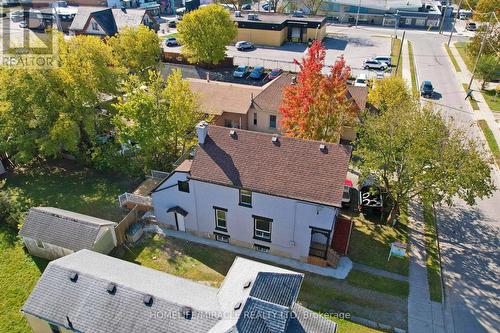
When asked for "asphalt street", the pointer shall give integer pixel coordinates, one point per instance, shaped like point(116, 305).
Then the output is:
point(469, 236)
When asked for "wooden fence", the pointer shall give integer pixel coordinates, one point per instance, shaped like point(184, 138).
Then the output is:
point(122, 227)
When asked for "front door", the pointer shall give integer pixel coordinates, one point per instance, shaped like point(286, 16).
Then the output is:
point(179, 220)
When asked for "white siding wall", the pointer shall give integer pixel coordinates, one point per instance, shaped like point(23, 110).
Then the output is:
point(91, 30)
point(291, 224)
point(48, 251)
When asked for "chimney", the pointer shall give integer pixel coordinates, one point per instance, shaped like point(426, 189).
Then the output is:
point(202, 131)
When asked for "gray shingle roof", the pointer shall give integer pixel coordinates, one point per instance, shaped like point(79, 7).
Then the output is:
point(91, 308)
point(63, 228)
point(281, 289)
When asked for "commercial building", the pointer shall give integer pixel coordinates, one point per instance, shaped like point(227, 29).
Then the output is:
point(400, 13)
point(273, 29)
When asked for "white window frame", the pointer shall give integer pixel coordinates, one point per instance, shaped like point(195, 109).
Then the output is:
point(275, 121)
point(261, 248)
point(221, 238)
point(260, 233)
point(217, 226)
point(248, 194)
point(95, 26)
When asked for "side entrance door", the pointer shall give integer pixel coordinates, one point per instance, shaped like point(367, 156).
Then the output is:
point(179, 220)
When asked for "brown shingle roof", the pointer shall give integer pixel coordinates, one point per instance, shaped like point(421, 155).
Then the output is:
point(272, 95)
point(359, 95)
point(294, 168)
point(218, 97)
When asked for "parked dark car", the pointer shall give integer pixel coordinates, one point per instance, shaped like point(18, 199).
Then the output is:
point(257, 73)
point(246, 6)
point(471, 26)
point(426, 89)
point(172, 41)
point(274, 73)
point(172, 24)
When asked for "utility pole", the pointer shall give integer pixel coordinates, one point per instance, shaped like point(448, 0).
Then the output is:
point(357, 15)
point(454, 21)
point(400, 51)
point(442, 18)
point(480, 50)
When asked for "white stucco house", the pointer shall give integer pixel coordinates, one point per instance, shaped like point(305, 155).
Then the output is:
point(273, 194)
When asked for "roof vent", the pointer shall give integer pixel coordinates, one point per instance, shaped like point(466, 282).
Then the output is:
point(323, 148)
point(247, 284)
point(187, 312)
point(232, 133)
point(237, 306)
point(275, 139)
point(111, 288)
point(73, 276)
point(148, 300)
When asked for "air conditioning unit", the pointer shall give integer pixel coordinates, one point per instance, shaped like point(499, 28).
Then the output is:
point(253, 17)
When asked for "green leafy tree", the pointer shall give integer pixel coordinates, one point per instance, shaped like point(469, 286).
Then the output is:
point(488, 68)
point(414, 153)
point(388, 93)
point(46, 112)
point(11, 211)
point(483, 9)
point(159, 118)
point(136, 49)
point(491, 37)
point(204, 34)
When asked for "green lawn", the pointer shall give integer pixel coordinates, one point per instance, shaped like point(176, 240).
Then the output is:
point(462, 50)
point(378, 283)
point(490, 138)
point(452, 58)
point(371, 242)
point(209, 265)
point(413, 71)
point(492, 100)
point(472, 101)
point(395, 48)
point(66, 186)
point(431, 246)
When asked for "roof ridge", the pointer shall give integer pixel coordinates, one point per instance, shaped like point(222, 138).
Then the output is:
point(72, 218)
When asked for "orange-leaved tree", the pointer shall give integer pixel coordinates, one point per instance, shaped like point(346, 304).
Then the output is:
point(317, 106)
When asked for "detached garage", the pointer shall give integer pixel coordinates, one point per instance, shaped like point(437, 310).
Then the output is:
point(52, 233)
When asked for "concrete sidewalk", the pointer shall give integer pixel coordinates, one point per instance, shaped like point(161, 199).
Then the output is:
point(424, 316)
point(341, 272)
point(405, 64)
point(484, 112)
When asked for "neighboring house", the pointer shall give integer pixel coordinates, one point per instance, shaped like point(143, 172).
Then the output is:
point(264, 114)
point(91, 292)
point(51, 233)
point(99, 21)
point(275, 194)
point(227, 102)
point(274, 29)
point(257, 108)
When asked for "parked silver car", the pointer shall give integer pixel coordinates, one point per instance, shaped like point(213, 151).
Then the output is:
point(385, 59)
point(374, 64)
point(244, 45)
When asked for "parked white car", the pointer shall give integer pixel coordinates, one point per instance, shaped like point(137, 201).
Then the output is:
point(386, 59)
point(374, 64)
point(361, 80)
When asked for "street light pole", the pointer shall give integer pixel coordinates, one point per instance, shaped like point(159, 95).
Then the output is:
point(357, 15)
point(454, 22)
point(480, 51)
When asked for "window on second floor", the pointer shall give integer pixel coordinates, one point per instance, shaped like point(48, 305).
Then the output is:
point(220, 219)
point(272, 121)
point(262, 228)
point(255, 118)
point(183, 186)
point(39, 243)
point(245, 198)
point(95, 26)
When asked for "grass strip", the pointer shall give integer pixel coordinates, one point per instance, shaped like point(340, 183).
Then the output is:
point(490, 138)
point(432, 249)
point(491, 98)
point(452, 58)
point(378, 283)
point(413, 71)
point(462, 50)
point(395, 48)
